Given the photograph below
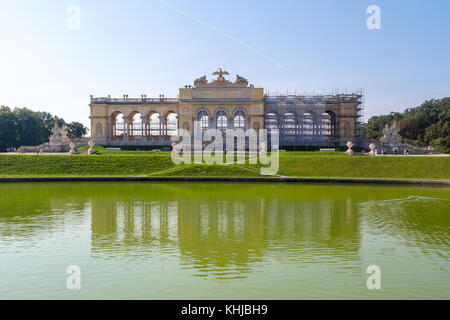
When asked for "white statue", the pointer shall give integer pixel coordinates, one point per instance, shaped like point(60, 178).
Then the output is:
point(174, 147)
point(55, 137)
point(349, 146)
point(91, 147)
point(391, 136)
point(64, 135)
point(72, 148)
point(59, 135)
point(262, 149)
point(372, 148)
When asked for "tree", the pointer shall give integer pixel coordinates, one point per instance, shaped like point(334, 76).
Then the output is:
point(76, 130)
point(49, 121)
point(374, 127)
point(30, 128)
point(409, 128)
point(8, 134)
point(24, 127)
point(427, 124)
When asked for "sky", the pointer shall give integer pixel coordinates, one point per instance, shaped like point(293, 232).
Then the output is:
point(155, 47)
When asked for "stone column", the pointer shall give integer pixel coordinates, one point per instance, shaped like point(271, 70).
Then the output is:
point(126, 127)
point(108, 128)
point(143, 124)
point(147, 126)
point(230, 122)
point(164, 123)
point(161, 128)
point(212, 122)
point(195, 128)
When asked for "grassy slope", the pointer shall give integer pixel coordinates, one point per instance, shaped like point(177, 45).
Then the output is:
point(208, 171)
point(431, 168)
point(82, 165)
point(291, 164)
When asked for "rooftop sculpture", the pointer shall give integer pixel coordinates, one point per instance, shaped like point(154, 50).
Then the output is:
point(221, 81)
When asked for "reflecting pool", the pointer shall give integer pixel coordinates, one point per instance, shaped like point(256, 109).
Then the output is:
point(223, 241)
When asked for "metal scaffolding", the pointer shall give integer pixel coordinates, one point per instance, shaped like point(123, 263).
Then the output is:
point(315, 120)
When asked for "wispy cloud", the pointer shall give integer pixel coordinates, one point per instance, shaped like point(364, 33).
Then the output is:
point(275, 63)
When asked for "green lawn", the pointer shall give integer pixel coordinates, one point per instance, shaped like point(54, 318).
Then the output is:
point(292, 164)
point(325, 166)
point(83, 165)
point(208, 171)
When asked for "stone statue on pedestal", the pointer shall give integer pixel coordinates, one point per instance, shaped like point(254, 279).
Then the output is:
point(91, 147)
point(72, 148)
point(59, 140)
point(372, 148)
point(391, 136)
point(55, 137)
point(349, 146)
point(262, 149)
point(64, 135)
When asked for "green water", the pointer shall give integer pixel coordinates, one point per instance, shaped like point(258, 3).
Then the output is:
point(223, 241)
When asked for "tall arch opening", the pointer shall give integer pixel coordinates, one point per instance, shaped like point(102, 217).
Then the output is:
point(172, 124)
point(328, 124)
point(221, 121)
point(135, 125)
point(154, 125)
point(271, 121)
point(117, 125)
point(203, 120)
point(290, 124)
point(239, 120)
point(308, 124)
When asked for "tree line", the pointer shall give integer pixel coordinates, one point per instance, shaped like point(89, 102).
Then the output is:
point(425, 125)
point(24, 127)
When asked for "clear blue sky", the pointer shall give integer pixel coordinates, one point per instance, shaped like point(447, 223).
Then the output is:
point(151, 47)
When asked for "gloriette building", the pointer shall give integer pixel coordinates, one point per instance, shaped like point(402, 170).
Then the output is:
point(302, 120)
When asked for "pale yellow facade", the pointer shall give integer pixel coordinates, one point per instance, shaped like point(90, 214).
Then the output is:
point(222, 104)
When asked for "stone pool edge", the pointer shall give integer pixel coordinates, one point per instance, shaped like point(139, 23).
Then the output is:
point(223, 179)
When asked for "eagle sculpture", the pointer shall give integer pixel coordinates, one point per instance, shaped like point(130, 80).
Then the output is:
point(220, 73)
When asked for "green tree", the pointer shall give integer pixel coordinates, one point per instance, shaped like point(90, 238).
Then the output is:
point(30, 128)
point(76, 130)
point(427, 124)
point(374, 127)
point(409, 128)
point(24, 127)
point(8, 124)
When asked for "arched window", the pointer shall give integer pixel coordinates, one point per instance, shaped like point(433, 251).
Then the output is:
point(172, 124)
point(308, 124)
point(328, 124)
point(118, 125)
point(221, 121)
point(136, 125)
point(239, 120)
point(203, 119)
point(290, 124)
point(154, 125)
point(271, 121)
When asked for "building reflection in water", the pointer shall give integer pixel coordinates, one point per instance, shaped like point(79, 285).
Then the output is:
point(227, 238)
point(230, 230)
